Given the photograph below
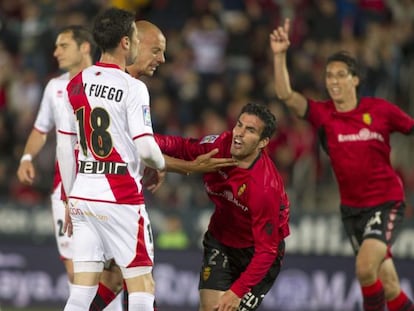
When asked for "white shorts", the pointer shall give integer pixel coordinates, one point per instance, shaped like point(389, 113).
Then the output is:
point(103, 231)
point(64, 243)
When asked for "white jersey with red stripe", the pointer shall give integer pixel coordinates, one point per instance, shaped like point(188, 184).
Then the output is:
point(111, 109)
point(49, 115)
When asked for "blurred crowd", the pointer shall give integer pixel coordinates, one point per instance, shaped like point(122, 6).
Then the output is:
point(217, 59)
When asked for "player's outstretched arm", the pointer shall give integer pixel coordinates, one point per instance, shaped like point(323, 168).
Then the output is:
point(279, 43)
point(204, 163)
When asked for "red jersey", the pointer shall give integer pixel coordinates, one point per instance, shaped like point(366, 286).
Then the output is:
point(251, 205)
point(358, 144)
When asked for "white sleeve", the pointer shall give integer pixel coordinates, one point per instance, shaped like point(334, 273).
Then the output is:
point(65, 153)
point(138, 110)
point(150, 152)
point(67, 121)
point(45, 119)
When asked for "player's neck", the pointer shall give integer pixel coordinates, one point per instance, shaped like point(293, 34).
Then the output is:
point(113, 59)
point(347, 104)
point(248, 161)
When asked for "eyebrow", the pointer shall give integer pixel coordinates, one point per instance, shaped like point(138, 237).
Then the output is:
point(248, 127)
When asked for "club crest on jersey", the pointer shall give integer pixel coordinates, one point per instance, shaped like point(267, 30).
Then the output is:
point(146, 115)
point(206, 273)
point(241, 190)
point(208, 139)
point(366, 117)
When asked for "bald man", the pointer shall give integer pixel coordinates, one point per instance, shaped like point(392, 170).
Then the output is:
point(151, 49)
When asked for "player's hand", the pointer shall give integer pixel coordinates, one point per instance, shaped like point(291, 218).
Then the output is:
point(67, 226)
point(228, 302)
point(205, 163)
point(153, 179)
point(26, 172)
point(279, 38)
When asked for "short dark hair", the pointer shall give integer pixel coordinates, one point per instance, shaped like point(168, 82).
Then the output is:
point(264, 114)
point(111, 26)
point(347, 59)
point(80, 35)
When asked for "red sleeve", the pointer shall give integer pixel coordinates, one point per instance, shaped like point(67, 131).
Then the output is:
point(317, 111)
point(398, 119)
point(265, 226)
point(182, 148)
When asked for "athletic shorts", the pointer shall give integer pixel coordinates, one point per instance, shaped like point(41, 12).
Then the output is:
point(382, 222)
point(102, 231)
point(64, 243)
point(223, 265)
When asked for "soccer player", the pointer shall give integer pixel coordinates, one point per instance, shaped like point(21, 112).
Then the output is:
point(74, 50)
point(151, 50)
point(151, 54)
point(110, 115)
point(242, 258)
point(355, 132)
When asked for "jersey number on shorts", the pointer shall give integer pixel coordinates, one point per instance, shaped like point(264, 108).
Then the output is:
point(100, 139)
point(60, 227)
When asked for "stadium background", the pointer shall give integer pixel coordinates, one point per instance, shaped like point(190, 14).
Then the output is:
point(217, 59)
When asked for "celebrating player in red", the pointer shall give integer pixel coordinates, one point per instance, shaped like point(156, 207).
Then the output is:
point(355, 132)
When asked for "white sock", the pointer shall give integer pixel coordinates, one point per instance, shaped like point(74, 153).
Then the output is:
point(80, 298)
point(141, 301)
point(116, 304)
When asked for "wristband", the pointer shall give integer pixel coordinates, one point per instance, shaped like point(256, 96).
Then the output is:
point(26, 157)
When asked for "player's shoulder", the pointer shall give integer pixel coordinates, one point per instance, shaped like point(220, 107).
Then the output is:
point(265, 172)
point(57, 85)
point(377, 101)
point(60, 79)
point(378, 106)
point(216, 138)
point(133, 81)
point(129, 80)
point(322, 104)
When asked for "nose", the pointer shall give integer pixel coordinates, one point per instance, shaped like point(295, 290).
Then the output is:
point(238, 131)
point(56, 52)
point(161, 59)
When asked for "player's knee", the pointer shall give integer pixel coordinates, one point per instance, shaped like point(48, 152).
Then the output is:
point(141, 283)
point(112, 278)
point(366, 272)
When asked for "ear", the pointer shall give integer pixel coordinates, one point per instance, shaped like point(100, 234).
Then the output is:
point(125, 42)
point(85, 48)
point(356, 80)
point(264, 142)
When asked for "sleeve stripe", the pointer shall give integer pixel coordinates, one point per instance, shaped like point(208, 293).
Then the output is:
point(142, 135)
point(66, 133)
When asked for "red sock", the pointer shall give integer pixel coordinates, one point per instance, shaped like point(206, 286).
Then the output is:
point(373, 296)
point(103, 298)
point(400, 303)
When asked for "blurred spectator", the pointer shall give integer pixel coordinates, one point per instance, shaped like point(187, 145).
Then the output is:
point(172, 235)
point(323, 21)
